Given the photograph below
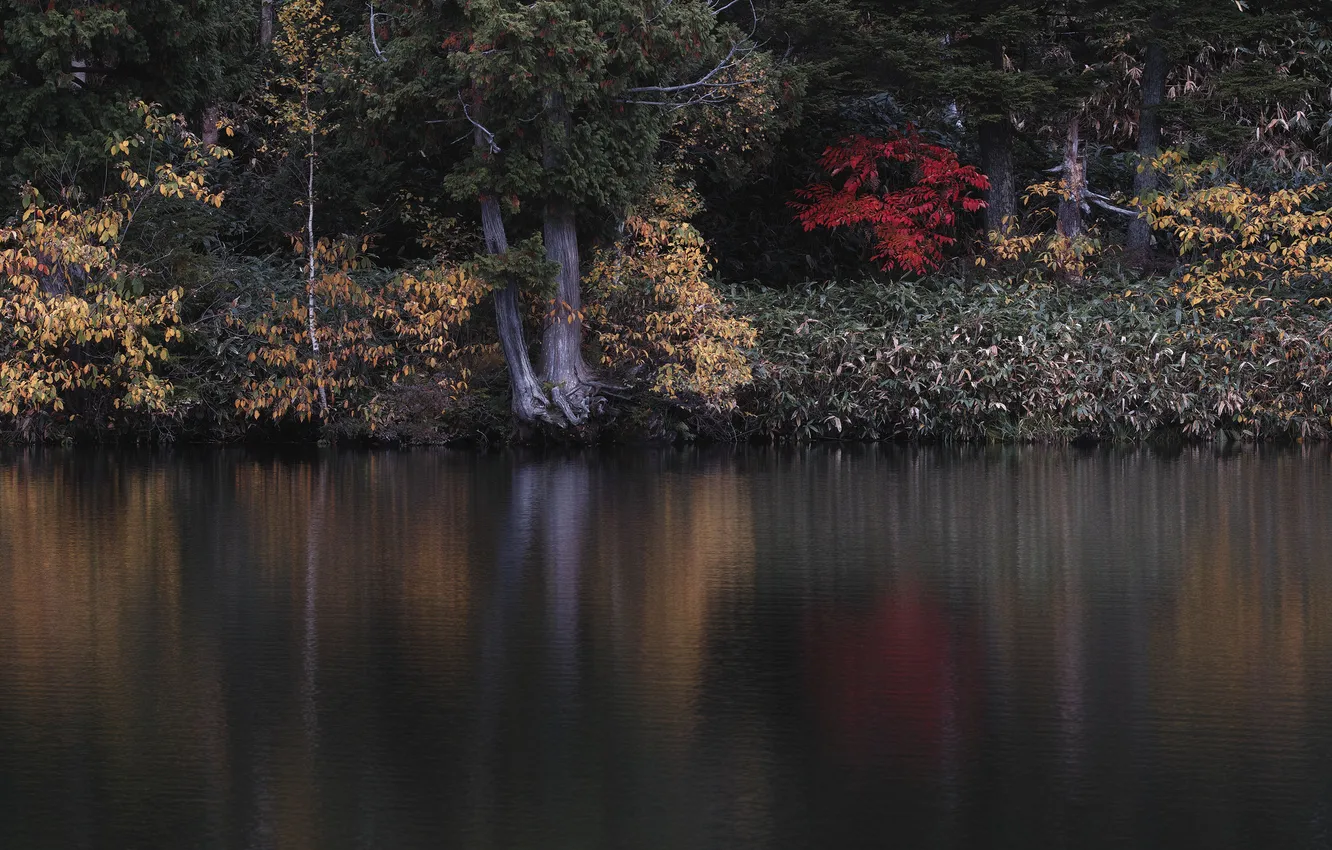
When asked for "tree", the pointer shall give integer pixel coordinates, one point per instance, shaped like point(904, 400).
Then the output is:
point(345, 342)
point(1224, 78)
point(77, 333)
point(67, 67)
point(567, 103)
point(310, 49)
point(911, 223)
point(1152, 85)
point(654, 310)
point(983, 61)
point(598, 75)
point(1166, 68)
point(1241, 245)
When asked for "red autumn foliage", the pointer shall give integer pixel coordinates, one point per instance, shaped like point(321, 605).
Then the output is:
point(910, 225)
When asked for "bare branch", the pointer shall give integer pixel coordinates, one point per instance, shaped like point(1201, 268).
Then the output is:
point(1104, 203)
point(489, 136)
point(374, 38)
point(726, 63)
point(1096, 198)
point(668, 104)
point(753, 12)
point(705, 88)
point(699, 99)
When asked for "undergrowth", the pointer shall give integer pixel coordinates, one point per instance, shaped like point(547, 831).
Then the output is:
point(949, 360)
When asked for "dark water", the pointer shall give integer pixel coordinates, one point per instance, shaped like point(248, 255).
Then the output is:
point(759, 649)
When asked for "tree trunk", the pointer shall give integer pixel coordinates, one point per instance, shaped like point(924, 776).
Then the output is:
point(209, 133)
point(572, 387)
point(310, 277)
point(996, 147)
point(266, 22)
point(80, 77)
point(1070, 204)
point(562, 344)
point(1149, 144)
point(529, 402)
point(1074, 182)
point(996, 143)
point(54, 282)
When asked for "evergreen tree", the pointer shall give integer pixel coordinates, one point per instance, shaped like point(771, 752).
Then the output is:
point(567, 102)
point(69, 67)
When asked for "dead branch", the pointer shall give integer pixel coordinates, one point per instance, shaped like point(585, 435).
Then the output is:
point(727, 62)
point(374, 38)
point(489, 136)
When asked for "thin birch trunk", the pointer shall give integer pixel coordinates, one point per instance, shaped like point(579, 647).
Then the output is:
point(310, 277)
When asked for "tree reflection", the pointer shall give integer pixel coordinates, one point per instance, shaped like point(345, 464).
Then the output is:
point(663, 649)
point(895, 681)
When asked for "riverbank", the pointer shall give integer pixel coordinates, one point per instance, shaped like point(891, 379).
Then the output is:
point(939, 360)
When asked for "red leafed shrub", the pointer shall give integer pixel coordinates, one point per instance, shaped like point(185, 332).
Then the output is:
point(911, 224)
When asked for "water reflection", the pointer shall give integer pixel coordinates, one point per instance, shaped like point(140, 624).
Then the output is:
point(763, 648)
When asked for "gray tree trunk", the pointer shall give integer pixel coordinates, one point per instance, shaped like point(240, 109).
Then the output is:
point(570, 380)
point(1075, 183)
point(1154, 73)
point(996, 144)
point(209, 134)
point(1070, 205)
point(266, 22)
point(529, 402)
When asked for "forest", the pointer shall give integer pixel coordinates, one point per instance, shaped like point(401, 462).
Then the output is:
point(483, 221)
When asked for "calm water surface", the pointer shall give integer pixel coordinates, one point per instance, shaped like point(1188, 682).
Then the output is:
point(822, 648)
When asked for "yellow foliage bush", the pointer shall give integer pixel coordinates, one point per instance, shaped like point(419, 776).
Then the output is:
point(1241, 244)
point(68, 320)
point(1043, 252)
point(370, 338)
point(652, 306)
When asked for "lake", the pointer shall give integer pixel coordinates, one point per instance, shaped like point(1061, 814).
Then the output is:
point(822, 647)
